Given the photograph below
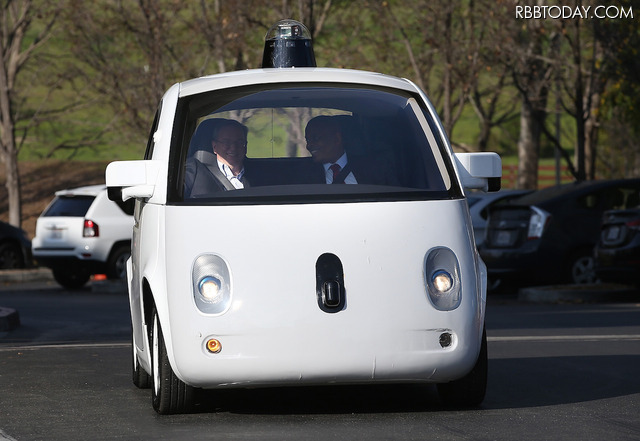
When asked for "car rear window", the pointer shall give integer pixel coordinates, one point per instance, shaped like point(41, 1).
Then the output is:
point(389, 136)
point(69, 206)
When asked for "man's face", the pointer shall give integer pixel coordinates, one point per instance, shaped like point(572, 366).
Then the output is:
point(230, 146)
point(324, 141)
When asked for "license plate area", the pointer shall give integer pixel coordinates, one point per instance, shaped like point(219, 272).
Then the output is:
point(505, 238)
point(56, 233)
point(612, 233)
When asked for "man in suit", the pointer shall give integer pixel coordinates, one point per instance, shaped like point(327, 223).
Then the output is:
point(230, 147)
point(221, 166)
point(326, 143)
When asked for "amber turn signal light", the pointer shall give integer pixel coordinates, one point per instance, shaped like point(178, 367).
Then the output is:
point(214, 346)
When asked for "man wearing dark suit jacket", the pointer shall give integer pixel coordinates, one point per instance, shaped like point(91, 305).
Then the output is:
point(222, 167)
point(326, 143)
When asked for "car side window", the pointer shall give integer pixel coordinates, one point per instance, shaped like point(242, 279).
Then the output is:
point(633, 199)
point(616, 198)
point(589, 201)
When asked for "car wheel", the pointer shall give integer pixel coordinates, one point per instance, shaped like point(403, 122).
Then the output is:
point(11, 256)
point(169, 395)
point(117, 264)
point(141, 379)
point(468, 391)
point(582, 269)
point(70, 278)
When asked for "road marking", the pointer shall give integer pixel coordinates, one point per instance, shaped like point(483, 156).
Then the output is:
point(611, 337)
point(66, 346)
point(5, 437)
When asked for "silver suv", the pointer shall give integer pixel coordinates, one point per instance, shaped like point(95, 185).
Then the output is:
point(82, 233)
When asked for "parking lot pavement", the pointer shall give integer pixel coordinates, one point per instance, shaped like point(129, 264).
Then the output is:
point(10, 318)
point(586, 293)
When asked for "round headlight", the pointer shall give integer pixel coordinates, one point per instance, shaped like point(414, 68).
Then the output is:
point(442, 277)
point(211, 284)
point(210, 288)
point(442, 280)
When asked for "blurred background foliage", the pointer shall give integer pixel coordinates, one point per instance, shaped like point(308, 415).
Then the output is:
point(500, 82)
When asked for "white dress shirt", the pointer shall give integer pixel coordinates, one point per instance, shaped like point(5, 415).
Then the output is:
point(234, 179)
point(342, 162)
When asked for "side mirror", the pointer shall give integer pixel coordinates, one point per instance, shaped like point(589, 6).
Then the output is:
point(481, 171)
point(131, 179)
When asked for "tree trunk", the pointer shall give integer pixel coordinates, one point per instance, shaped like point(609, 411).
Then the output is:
point(579, 100)
point(13, 190)
point(528, 147)
point(8, 151)
point(592, 125)
point(483, 137)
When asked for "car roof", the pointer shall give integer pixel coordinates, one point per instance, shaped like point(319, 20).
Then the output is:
point(88, 190)
point(574, 188)
point(9, 230)
point(291, 75)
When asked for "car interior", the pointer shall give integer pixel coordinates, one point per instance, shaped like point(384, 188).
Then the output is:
point(379, 128)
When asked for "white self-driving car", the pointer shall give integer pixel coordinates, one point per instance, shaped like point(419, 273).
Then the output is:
point(254, 269)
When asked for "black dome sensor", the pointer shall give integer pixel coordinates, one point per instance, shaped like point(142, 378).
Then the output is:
point(288, 44)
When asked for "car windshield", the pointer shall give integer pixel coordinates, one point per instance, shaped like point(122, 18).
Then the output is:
point(69, 206)
point(279, 143)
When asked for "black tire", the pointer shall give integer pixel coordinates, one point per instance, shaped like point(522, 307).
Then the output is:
point(71, 278)
point(11, 256)
point(169, 395)
point(117, 263)
point(141, 379)
point(468, 391)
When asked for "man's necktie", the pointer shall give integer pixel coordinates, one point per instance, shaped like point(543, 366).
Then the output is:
point(335, 168)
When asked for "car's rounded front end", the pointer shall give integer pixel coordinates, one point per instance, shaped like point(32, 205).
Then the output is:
point(250, 305)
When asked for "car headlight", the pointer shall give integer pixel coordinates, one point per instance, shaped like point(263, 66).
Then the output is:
point(442, 280)
point(211, 284)
point(210, 288)
point(442, 274)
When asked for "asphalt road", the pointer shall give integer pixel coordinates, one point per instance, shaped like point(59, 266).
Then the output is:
point(556, 371)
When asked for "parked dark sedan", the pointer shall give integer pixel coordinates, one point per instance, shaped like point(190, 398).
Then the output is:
point(548, 236)
point(15, 247)
point(617, 254)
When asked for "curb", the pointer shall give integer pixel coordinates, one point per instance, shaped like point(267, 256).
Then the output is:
point(587, 293)
point(25, 275)
point(109, 286)
point(9, 319)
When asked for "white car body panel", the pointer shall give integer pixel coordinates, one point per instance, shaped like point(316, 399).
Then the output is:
point(388, 331)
